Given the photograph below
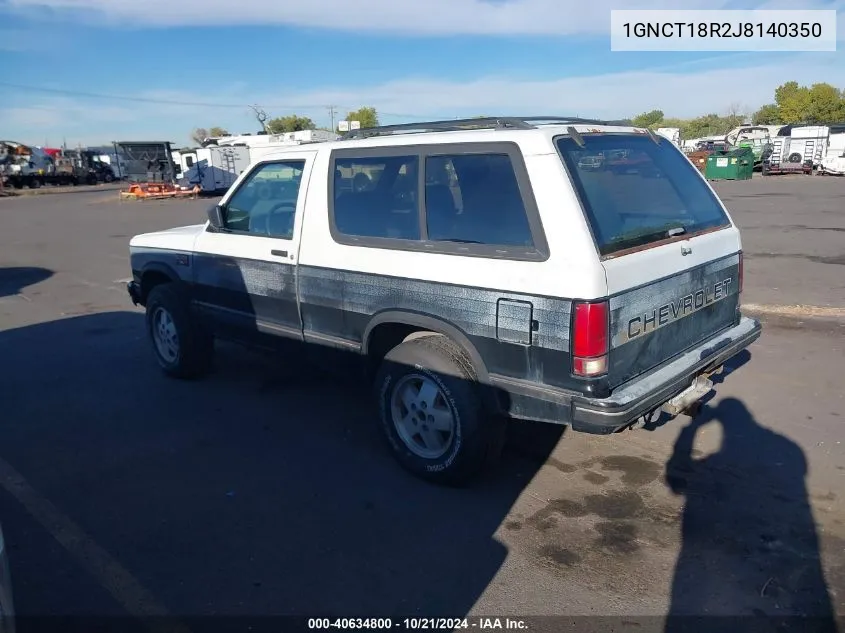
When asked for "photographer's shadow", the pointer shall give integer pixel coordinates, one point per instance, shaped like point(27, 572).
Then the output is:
point(749, 543)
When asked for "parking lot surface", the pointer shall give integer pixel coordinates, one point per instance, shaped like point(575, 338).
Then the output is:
point(793, 234)
point(265, 489)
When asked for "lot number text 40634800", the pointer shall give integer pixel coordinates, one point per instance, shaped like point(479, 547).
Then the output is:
point(418, 624)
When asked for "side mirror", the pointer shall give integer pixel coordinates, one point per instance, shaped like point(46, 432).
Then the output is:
point(217, 216)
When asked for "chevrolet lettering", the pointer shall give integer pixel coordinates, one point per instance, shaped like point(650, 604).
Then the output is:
point(684, 306)
point(469, 272)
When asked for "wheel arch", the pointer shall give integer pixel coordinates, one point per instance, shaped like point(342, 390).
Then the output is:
point(420, 321)
point(154, 274)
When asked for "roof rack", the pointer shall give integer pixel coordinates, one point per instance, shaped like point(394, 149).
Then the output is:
point(478, 123)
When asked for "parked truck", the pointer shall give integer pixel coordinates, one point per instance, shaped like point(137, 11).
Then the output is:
point(755, 137)
point(26, 166)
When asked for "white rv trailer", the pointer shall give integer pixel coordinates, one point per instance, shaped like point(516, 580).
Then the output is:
point(834, 159)
point(214, 169)
point(286, 138)
point(801, 151)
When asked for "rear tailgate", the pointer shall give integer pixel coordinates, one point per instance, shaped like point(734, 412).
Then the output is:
point(670, 252)
point(652, 321)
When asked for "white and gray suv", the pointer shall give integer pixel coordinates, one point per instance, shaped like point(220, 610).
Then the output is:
point(481, 269)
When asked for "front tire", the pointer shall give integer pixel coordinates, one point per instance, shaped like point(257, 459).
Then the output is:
point(432, 414)
point(181, 348)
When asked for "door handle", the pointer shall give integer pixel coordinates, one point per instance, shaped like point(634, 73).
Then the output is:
point(279, 253)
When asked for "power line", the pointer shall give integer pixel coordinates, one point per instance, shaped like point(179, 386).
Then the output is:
point(197, 104)
point(94, 95)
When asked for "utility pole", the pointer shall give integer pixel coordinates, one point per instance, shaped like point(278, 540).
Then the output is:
point(331, 113)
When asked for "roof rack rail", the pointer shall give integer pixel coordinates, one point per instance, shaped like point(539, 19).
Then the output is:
point(454, 125)
point(570, 119)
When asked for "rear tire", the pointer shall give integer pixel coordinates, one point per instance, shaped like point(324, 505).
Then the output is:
point(431, 412)
point(181, 348)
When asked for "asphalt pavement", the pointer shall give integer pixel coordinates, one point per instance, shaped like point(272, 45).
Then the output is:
point(266, 489)
point(793, 234)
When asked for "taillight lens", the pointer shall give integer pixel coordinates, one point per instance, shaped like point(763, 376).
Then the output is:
point(741, 271)
point(590, 338)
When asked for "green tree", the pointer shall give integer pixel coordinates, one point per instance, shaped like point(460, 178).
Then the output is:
point(826, 104)
point(199, 134)
point(367, 116)
point(290, 123)
point(648, 119)
point(769, 114)
point(707, 125)
point(793, 102)
point(671, 122)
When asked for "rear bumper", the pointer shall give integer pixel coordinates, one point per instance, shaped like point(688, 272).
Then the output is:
point(636, 398)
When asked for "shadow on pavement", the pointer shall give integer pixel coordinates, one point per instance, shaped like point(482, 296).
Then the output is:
point(261, 490)
point(15, 279)
point(749, 542)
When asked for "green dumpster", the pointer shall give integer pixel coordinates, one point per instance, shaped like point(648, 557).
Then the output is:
point(732, 164)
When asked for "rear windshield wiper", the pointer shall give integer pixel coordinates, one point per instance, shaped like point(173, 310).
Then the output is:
point(459, 241)
point(638, 238)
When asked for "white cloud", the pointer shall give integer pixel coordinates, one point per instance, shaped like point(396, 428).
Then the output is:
point(397, 17)
point(680, 92)
point(63, 117)
point(685, 91)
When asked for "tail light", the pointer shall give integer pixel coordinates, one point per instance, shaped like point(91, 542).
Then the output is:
point(590, 338)
point(741, 271)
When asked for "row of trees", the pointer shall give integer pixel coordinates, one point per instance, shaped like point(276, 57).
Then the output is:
point(367, 116)
point(817, 104)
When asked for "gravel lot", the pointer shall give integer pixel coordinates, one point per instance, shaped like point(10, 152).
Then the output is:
point(267, 491)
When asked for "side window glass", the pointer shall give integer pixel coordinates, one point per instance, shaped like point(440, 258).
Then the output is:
point(265, 204)
point(475, 198)
point(189, 161)
point(377, 197)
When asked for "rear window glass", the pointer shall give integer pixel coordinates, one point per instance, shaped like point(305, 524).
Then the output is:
point(475, 198)
point(377, 197)
point(635, 191)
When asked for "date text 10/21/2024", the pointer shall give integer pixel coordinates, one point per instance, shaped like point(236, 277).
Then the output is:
point(419, 624)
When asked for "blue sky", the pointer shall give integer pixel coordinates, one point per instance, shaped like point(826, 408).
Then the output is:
point(178, 64)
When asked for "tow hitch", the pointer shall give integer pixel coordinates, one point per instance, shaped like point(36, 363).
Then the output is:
point(689, 399)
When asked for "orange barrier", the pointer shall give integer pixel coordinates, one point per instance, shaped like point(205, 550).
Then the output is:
point(158, 191)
